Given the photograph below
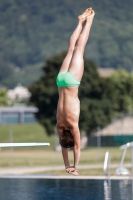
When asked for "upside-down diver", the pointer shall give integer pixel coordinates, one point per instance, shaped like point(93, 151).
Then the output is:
point(68, 81)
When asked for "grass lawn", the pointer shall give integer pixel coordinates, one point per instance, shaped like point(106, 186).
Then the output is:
point(25, 133)
point(46, 156)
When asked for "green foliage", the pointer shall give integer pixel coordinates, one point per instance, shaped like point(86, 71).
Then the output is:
point(3, 97)
point(45, 93)
point(26, 133)
point(123, 90)
point(32, 31)
point(101, 98)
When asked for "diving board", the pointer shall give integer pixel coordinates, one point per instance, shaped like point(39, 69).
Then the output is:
point(32, 144)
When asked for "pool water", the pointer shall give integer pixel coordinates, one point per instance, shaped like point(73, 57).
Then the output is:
point(64, 189)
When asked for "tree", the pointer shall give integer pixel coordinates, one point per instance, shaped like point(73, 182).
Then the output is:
point(3, 97)
point(101, 98)
point(122, 81)
point(31, 31)
point(45, 93)
point(96, 106)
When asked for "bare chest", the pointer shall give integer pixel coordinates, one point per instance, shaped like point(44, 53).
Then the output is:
point(68, 112)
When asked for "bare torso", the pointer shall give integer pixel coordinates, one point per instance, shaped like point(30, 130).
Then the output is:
point(68, 104)
point(68, 108)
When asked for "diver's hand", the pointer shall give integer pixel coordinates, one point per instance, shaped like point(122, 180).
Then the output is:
point(72, 170)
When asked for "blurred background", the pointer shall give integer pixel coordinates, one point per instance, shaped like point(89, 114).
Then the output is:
point(34, 38)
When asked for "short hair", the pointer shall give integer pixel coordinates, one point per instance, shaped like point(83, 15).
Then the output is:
point(66, 139)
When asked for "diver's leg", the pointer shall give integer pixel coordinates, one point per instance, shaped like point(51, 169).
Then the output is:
point(73, 39)
point(77, 62)
point(72, 42)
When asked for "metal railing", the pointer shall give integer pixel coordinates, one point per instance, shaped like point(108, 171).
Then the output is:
point(122, 170)
point(106, 166)
point(107, 181)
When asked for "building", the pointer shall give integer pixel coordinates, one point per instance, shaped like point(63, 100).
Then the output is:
point(119, 132)
point(18, 114)
point(18, 93)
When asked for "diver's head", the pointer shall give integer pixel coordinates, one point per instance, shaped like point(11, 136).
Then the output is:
point(66, 139)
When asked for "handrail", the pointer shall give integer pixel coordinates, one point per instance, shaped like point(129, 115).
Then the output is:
point(107, 182)
point(122, 170)
point(123, 156)
point(106, 164)
point(129, 144)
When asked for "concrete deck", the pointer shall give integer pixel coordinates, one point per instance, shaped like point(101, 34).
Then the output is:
point(39, 169)
point(63, 177)
point(28, 172)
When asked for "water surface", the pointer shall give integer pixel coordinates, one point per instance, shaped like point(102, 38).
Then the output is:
point(64, 189)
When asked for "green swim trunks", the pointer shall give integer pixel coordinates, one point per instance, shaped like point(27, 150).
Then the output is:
point(66, 79)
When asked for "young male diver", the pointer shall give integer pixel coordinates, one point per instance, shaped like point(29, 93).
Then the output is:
point(68, 81)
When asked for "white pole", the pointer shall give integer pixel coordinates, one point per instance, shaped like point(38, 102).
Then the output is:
point(132, 167)
point(6, 145)
point(99, 142)
point(11, 148)
point(123, 156)
point(132, 159)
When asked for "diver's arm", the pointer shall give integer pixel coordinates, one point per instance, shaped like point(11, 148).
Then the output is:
point(76, 150)
point(65, 157)
point(64, 150)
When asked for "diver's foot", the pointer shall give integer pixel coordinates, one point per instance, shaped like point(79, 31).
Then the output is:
point(85, 14)
point(90, 16)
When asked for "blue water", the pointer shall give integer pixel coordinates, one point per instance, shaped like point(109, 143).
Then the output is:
point(67, 189)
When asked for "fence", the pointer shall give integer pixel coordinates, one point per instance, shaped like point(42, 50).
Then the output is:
point(116, 140)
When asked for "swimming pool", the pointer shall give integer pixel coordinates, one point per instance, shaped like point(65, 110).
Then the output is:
point(64, 189)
